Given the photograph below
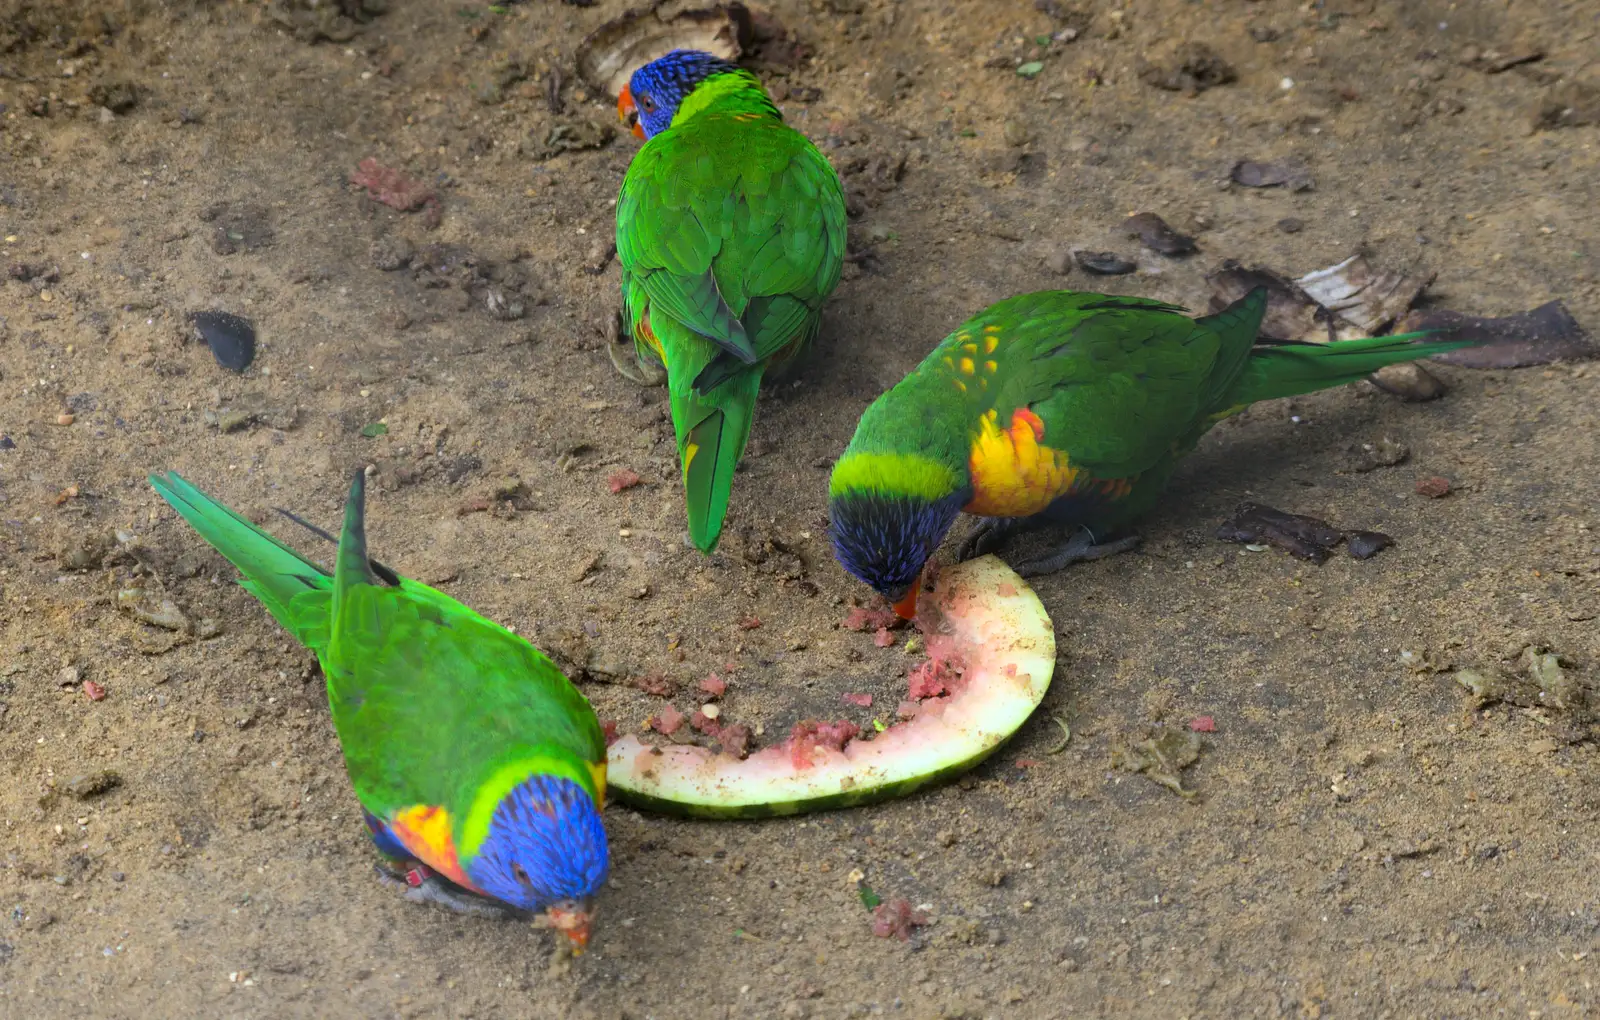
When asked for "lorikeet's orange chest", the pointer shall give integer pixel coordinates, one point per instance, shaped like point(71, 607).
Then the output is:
point(426, 832)
point(1014, 472)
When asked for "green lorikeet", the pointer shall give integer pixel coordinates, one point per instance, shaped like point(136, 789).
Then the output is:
point(1060, 408)
point(731, 235)
point(471, 754)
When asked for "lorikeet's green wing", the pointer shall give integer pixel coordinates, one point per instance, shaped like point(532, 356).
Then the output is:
point(428, 696)
point(294, 590)
point(732, 224)
point(1114, 381)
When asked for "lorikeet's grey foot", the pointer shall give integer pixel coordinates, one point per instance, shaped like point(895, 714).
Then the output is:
point(989, 534)
point(625, 358)
point(1080, 549)
point(421, 885)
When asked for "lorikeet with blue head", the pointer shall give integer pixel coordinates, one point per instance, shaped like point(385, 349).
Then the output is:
point(473, 757)
point(1061, 408)
point(731, 235)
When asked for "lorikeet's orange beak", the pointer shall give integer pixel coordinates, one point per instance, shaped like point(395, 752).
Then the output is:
point(628, 113)
point(571, 918)
point(906, 608)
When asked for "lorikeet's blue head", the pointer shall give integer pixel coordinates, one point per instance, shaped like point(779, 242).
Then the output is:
point(545, 851)
point(885, 538)
point(653, 94)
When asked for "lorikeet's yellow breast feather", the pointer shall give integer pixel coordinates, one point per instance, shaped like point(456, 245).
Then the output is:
point(1013, 473)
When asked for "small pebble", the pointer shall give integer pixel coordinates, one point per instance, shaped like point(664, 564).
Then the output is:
point(65, 419)
point(1291, 225)
point(1434, 487)
point(1059, 262)
point(1366, 544)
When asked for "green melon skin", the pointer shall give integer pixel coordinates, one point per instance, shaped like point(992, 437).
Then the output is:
point(998, 629)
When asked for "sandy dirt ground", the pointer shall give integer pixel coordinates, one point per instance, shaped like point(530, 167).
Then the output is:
point(1366, 838)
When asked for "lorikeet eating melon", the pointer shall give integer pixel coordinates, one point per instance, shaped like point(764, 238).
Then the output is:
point(1061, 408)
point(472, 756)
point(731, 235)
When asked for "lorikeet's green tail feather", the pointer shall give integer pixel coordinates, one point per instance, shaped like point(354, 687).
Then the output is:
point(711, 449)
point(272, 571)
point(350, 564)
point(1290, 369)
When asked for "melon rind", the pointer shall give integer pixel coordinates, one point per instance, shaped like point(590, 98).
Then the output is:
point(999, 630)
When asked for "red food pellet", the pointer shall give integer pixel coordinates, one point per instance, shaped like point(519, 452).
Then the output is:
point(668, 722)
point(94, 691)
point(1433, 487)
point(609, 728)
point(884, 638)
point(750, 623)
point(859, 700)
point(859, 619)
point(1203, 724)
point(623, 480)
point(895, 919)
point(714, 685)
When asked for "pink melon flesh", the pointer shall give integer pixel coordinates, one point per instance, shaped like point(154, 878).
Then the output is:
point(992, 651)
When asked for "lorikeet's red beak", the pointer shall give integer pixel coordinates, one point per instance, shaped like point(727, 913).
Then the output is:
point(906, 608)
point(628, 113)
point(571, 918)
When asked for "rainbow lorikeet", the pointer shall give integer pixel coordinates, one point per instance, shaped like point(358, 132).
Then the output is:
point(473, 757)
point(731, 235)
point(1060, 408)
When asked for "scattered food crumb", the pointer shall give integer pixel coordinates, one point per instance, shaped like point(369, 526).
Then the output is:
point(860, 619)
point(609, 728)
point(93, 691)
point(896, 919)
point(714, 685)
point(1433, 487)
point(391, 187)
point(858, 700)
point(1203, 724)
point(654, 684)
point(668, 722)
point(883, 638)
point(621, 481)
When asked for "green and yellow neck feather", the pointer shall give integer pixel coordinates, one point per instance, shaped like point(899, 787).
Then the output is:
point(901, 474)
point(731, 92)
point(474, 826)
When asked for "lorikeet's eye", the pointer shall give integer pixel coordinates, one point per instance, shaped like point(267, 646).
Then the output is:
point(647, 103)
point(520, 875)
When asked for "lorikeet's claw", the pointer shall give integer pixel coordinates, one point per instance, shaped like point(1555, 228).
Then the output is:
point(423, 886)
point(987, 536)
point(628, 365)
point(1081, 549)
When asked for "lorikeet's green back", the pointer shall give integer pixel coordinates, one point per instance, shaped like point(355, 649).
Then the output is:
point(435, 706)
point(731, 235)
point(1068, 404)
